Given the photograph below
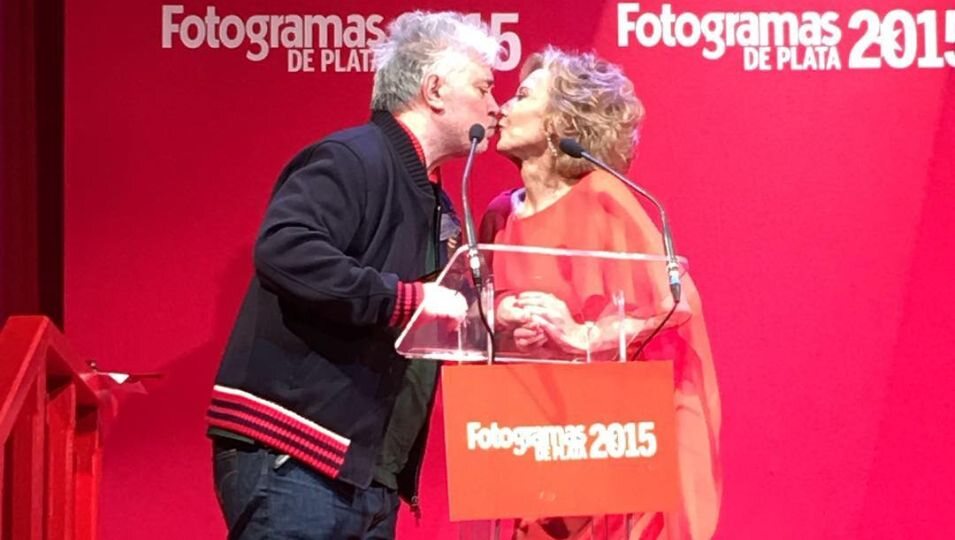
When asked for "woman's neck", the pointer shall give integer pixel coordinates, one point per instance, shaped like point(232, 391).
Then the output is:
point(543, 186)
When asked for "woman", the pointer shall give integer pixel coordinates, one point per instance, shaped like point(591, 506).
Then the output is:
point(566, 203)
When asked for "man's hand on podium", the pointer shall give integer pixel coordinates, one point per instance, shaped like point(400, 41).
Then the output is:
point(441, 302)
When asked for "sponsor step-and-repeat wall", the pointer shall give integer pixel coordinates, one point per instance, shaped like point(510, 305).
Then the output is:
point(803, 152)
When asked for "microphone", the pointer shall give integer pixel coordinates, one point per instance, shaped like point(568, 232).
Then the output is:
point(574, 149)
point(476, 134)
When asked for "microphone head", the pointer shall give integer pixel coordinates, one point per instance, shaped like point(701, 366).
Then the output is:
point(571, 147)
point(476, 133)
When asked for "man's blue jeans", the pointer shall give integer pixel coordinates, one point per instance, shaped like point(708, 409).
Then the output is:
point(265, 495)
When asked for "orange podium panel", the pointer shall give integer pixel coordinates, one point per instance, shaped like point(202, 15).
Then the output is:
point(537, 440)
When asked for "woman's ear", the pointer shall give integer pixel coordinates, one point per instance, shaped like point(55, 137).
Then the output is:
point(555, 128)
point(550, 130)
point(548, 126)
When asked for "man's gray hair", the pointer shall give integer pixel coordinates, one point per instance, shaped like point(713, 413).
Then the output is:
point(420, 44)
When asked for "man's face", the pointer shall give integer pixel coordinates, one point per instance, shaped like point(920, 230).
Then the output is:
point(466, 93)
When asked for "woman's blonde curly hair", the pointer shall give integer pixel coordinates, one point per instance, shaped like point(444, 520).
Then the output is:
point(592, 101)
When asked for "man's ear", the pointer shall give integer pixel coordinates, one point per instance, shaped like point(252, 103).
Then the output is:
point(431, 92)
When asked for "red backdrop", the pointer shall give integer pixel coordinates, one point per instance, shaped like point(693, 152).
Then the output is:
point(813, 205)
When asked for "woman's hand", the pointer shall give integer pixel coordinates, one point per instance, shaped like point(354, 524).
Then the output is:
point(510, 315)
point(551, 317)
point(529, 337)
point(547, 307)
point(574, 339)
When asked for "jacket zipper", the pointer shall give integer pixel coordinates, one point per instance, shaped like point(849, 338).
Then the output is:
point(416, 509)
point(436, 239)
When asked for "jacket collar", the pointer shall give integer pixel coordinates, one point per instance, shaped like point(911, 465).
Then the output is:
point(403, 146)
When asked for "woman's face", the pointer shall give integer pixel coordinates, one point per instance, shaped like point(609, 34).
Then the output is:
point(522, 119)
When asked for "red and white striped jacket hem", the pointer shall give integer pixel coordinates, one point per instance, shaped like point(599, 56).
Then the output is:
point(277, 427)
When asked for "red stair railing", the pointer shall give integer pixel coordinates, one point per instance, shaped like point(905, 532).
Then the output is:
point(52, 408)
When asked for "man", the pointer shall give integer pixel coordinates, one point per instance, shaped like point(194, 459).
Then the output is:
point(318, 425)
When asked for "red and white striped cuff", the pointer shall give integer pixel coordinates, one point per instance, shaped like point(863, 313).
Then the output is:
point(409, 296)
